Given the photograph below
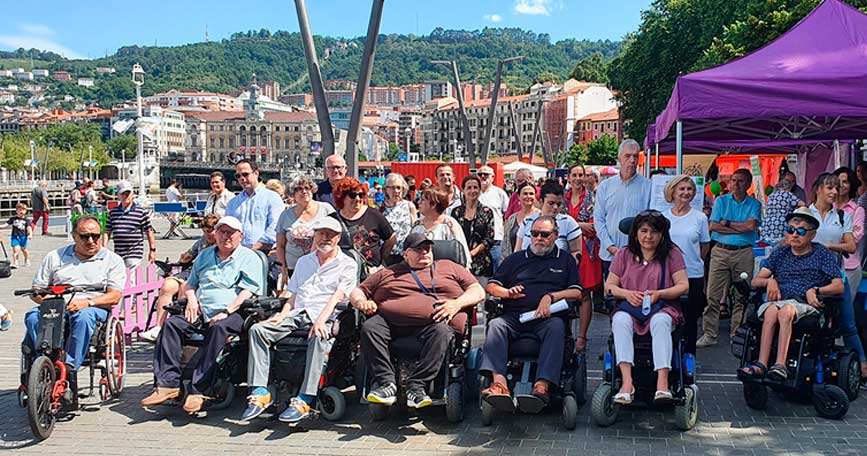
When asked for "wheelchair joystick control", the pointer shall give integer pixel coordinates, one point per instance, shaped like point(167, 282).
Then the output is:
point(645, 304)
point(744, 276)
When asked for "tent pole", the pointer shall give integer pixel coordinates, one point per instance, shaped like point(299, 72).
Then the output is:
point(657, 155)
point(679, 146)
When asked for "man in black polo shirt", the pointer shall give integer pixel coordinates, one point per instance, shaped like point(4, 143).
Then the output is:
point(530, 280)
point(129, 224)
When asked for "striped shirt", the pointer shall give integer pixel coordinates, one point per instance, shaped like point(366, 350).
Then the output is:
point(128, 229)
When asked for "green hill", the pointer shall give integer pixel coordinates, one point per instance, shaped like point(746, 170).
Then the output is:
point(400, 59)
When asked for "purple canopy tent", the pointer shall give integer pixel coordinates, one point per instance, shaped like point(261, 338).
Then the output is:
point(807, 85)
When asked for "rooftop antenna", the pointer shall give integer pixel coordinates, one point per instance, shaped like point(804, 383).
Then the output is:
point(207, 38)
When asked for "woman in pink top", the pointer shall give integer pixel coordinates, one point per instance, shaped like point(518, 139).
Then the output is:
point(847, 201)
point(650, 266)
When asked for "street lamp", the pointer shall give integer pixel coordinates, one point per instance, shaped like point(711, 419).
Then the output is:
point(468, 137)
point(493, 108)
point(32, 160)
point(138, 81)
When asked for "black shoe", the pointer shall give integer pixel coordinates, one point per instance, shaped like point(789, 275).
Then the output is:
point(417, 398)
point(383, 394)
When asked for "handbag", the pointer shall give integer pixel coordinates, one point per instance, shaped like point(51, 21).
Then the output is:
point(635, 312)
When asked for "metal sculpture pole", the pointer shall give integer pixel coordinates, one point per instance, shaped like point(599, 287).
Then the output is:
point(465, 122)
point(492, 112)
point(536, 130)
point(326, 133)
point(515, 131)
point(361, 90)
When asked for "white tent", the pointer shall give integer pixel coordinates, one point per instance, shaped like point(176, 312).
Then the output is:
point(538, 171)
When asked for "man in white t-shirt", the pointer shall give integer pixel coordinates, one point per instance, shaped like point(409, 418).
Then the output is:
point(173, 194)
point(569, 235)
point(496, 199)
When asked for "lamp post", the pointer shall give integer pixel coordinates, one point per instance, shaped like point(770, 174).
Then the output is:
point(468, 137)
point(138, 81)
point(493, 108)
point(33, 160)
point(90, 161)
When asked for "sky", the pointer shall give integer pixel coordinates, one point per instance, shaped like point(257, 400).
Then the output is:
point(94, 28)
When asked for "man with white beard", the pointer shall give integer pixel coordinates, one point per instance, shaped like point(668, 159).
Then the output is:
point(322, 279)
point(530, 280)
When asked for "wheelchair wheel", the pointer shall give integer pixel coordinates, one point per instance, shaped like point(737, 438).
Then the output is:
point(602, 407)
point(849, 375)
point(115, 358)
point(332, 403)
point(756, 395)
point(487, 413)
point(570, 412)
point(378, 412)
point(224, 394)
point(830, 401)
point(686, 415)
point(455, 402)
point(580, 386)
point(40, 386)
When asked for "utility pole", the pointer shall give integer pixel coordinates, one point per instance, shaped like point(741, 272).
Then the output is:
point(315, 75)
point(138, 80)
point(33, 160)
point(361, 90)
point(465, 122)
point(492, 111)
point(90, 162)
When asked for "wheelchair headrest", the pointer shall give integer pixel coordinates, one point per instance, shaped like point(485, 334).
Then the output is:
point(625, 225)
point(265, 267)
point(449, 250)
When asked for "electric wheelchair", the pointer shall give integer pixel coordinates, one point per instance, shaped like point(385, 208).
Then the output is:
point(570, 391)
point(817, 367)
point(681, 378)
point(448, 388)
point(48, 388)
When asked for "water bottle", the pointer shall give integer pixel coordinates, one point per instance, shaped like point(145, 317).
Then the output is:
point(645, 304)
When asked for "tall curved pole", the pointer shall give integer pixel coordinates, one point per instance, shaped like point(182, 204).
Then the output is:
point(486, 143)
point(465, 122)
point(361, 90)
point(326, 133)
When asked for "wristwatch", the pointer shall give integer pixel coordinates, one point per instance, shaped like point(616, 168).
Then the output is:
point(153, 249)
point(816, 290)
point(551, 295)
point(727, 223)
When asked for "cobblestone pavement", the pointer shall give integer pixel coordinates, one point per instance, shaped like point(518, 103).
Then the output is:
point(726, 425)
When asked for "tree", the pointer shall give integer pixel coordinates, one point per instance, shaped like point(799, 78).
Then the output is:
point(120, 143)
point(600, 151)
point(591, 69)
point(393, 151)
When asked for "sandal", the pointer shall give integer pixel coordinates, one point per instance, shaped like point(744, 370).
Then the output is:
point(754, 370)
point(624, 398)
point(778, 372)
point(663, 396)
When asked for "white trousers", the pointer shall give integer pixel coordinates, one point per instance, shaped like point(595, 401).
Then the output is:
point(660, 332)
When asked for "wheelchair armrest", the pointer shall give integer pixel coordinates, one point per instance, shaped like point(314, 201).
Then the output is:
point(493, 307)
point(177, 307)
point(262, 307)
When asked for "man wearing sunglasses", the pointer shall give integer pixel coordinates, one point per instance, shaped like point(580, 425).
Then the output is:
point(529, 280)
point(256, 207)
point(86, 263)
point(794, 275)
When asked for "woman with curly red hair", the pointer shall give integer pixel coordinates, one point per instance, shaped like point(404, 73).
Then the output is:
point(370, 232)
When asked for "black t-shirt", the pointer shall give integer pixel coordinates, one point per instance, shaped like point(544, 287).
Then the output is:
point(324, 192)
point(19, 225)
point(539, 275)
point(368, 233)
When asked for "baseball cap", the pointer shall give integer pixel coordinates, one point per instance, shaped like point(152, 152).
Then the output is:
point(415, 240)
point(327, 223)
point(123, 187)
point(229, 221)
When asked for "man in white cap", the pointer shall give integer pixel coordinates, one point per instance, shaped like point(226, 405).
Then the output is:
point(496, 199)
point(322, 279)
point(223, 276)
point(129, 224)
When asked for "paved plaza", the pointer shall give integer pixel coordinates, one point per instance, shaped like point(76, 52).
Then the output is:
point(726, 426)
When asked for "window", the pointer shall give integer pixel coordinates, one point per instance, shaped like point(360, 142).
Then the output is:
point(213, 143)
point(222, 143)
point(231, 142)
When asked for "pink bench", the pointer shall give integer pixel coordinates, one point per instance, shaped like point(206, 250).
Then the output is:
point(139, 295)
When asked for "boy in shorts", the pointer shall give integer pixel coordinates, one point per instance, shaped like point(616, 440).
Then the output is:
point(21, 233)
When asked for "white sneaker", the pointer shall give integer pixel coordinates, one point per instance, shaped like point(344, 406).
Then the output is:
point(705, 341)
point(27, 263)
point(151, 334)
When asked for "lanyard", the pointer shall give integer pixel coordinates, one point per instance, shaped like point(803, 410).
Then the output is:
point(430, 292)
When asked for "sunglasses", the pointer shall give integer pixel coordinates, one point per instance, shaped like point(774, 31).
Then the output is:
point(354, 195)
point(240, 175)
point(92, 236)
point(484, 174)
point(800, 230)
point(541, 234)
point(650, 212)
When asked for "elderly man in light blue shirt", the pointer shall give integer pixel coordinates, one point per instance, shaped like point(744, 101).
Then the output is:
point(256, 207)
point(222, 278)
point(618, 198)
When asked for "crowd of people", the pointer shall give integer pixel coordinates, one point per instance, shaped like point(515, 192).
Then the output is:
point(542, 243)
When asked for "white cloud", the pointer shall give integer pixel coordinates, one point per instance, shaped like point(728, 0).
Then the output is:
point(495, 18)
point(533, 7)
point(37, 36)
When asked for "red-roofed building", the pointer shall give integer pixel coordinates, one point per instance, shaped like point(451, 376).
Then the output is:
point(193, 100)
point(594, 125)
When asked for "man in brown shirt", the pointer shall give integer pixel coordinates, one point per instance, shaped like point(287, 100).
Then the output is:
point(418, 297)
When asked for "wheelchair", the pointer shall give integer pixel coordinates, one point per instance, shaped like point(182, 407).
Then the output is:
point(48, 389)
point(829, 374)
point(289, 354)
point(681, 378)
point(570, 391)
point(231, 369)
point(448, 388)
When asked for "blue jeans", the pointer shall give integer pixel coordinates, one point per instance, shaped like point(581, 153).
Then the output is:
point(81, 327)
point(847, 323)
point(497, 254)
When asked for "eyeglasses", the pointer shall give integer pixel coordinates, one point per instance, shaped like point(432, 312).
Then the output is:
point(335, 168)
point(800, 230)
point(244, 175)
point(92, 236)
point(354, 195)
point(541, 234)
point(394, 187)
